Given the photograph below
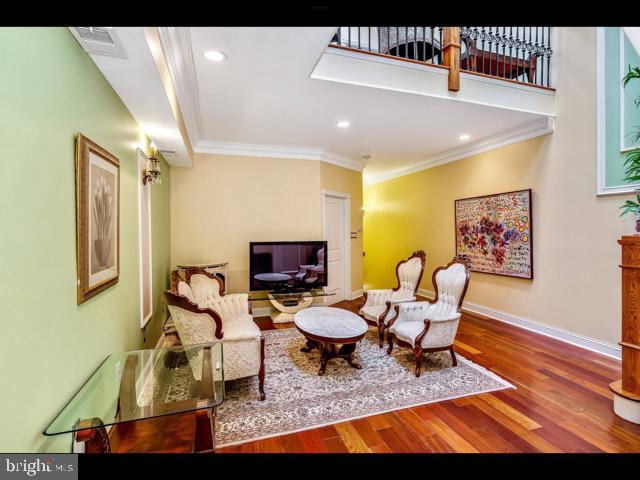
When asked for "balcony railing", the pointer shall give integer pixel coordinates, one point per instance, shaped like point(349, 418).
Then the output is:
point(520, 54)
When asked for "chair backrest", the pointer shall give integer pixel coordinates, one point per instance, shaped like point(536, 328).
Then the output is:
point(409, 273)
point(206, 289)
point(194, 324)
point(216, 281)
point(450, 283)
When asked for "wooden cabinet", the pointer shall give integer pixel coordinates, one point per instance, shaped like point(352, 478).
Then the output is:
point(627, 390)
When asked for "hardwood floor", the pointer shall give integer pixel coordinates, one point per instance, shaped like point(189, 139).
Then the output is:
point(562, 404)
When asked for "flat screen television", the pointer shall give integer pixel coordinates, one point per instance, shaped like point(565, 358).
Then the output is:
point(287, 266)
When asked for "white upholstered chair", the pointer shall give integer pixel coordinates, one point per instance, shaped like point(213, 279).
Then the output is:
point(377, 303)
point(432, 326)
point(206, 316)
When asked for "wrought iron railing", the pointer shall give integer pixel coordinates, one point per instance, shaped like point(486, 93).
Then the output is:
point(521, 54)
point(423, 44)
point(516, 53)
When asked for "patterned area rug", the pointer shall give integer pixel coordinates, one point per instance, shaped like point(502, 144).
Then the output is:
point(298, 399)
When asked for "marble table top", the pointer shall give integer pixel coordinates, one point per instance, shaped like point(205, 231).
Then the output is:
point(330, 322)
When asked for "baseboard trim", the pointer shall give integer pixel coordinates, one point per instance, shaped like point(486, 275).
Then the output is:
point(356, 294)
point(613, 351)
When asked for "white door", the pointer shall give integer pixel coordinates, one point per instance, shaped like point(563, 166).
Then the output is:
point(335, 210)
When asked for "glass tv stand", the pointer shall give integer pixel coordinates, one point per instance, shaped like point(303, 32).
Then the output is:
point(288, 303)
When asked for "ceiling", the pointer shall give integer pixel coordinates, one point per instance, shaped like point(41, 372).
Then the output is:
point(262, 100)
point(263, 94)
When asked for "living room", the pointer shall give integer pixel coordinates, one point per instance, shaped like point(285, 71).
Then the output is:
point(219, 245)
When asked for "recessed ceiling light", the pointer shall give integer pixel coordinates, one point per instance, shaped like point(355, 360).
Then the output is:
point(215, 56)
point(343, 124)
point(464, 136)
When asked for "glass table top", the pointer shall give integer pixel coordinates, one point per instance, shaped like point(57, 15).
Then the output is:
point(290, 295)
point(145, 384)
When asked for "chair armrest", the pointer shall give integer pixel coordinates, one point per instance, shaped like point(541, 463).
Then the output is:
point(396, 301)
point(448, 318)
point(376, 298)
point(442, 331)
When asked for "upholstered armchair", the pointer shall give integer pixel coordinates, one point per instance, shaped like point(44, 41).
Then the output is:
point(202, 317)
point(432, 326)
point(378, 303)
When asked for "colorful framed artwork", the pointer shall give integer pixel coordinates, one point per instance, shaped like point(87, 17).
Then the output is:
point(97, 218)
point(496, 233)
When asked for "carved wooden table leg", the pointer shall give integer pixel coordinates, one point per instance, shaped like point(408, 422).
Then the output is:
point(324, 357)
point(94, 436)
point(346, 351)
point(331, 350)
point(311, 345)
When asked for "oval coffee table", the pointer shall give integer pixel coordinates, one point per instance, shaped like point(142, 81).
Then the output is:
point(326, 328)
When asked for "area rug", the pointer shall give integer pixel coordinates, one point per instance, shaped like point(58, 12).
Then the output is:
point(298, 399)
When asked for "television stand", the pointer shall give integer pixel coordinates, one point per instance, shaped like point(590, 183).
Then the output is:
point(287, 306)
point(289, 302)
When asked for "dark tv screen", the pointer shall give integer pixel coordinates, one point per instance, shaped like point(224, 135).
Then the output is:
point(283, 266)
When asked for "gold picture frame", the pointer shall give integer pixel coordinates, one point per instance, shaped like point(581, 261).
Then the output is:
point(97, 218)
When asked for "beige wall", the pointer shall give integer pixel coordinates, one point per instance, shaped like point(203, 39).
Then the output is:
point(577, 279)
point(223, 202)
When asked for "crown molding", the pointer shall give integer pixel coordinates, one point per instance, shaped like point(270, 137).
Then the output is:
point(527, 131)
point(176, 45)
point(277, 151)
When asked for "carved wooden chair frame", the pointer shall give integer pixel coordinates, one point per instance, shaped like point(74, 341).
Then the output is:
point(380, 322)
point(417, 348)
point(180, 301)
point(189, 272)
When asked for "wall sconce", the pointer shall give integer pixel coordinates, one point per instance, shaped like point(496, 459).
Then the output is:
point(152, 173)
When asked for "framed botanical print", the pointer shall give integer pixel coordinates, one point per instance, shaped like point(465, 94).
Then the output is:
point(496, 233)
point(97, 218)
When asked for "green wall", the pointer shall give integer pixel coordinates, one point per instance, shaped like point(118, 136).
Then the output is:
point(619, 134)
point(49, 90)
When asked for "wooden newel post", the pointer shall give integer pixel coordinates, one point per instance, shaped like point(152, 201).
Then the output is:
point(627, 391)
point(451, 53)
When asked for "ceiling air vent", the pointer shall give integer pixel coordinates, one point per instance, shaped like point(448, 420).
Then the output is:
point(165, 152)
point(99, 41)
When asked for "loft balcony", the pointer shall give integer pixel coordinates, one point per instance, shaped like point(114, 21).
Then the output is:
point(510, 53)
point(505, 67)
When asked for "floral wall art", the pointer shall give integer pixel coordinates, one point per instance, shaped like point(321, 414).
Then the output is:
point(495, 232)
point(98, 213)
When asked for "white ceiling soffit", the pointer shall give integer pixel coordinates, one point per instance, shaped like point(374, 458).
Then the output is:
point(134, 76)
point(176, 45)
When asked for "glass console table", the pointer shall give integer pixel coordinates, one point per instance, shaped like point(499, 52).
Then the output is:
point(145, 384)
point(288, 303)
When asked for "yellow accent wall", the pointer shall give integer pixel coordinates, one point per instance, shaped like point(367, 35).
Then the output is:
point(224, 202)
point(577, 278)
